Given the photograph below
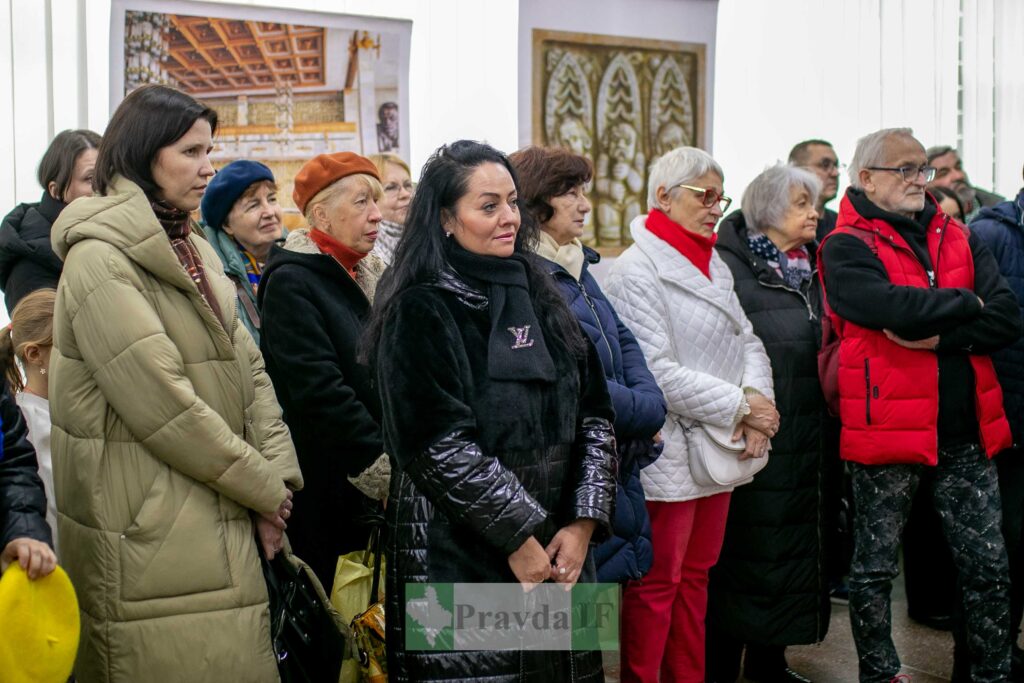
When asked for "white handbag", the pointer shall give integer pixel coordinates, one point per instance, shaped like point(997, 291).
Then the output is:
point(715, 458)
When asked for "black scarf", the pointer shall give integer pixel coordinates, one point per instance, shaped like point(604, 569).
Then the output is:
point(516, 349)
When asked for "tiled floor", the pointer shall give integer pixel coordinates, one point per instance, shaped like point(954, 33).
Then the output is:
point(927, 655)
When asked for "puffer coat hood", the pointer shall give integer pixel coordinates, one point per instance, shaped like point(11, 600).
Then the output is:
point(27, 261)
point(166, 436)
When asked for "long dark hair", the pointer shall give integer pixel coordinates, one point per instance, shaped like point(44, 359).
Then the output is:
point(422, 252)
point(151, 117)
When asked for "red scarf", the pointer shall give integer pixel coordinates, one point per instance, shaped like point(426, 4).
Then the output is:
point(348, 258)
point(694, 247)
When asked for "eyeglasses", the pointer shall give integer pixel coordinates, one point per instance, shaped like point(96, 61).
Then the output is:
point(826, 165)
point(709, 197)
point(393, 188)
point(909, 172)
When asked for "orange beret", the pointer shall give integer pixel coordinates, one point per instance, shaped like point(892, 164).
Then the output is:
point(324, 169)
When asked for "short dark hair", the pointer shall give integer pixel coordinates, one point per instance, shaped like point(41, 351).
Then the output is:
point(58, 163)
point(546, 172)
point(936, 151)
point(798, 154)
point(150, 118)
point(941, 193)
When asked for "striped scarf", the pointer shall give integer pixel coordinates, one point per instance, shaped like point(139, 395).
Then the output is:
point(252, 267)
point(175, 223)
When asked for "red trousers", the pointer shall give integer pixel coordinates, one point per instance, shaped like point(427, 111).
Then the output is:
point(663, 614)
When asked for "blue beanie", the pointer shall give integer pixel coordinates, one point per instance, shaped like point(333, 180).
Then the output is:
point(227, 186)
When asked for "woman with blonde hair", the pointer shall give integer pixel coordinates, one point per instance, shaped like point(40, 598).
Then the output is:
point(396, 182)
point(28, 341)
point(314, 300)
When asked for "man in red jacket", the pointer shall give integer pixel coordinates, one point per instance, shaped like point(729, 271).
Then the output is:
point(918, 304)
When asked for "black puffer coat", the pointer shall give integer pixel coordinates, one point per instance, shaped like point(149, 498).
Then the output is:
point(480, 466)
point(22, 499)
point(769, 585)
point(27, 261)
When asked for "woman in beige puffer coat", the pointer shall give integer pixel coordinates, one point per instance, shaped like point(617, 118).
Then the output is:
point(168, 444)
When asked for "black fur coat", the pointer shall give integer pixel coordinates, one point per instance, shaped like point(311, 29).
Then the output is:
point(480, 465)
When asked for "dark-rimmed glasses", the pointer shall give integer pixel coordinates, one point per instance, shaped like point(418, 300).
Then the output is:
point(827, 166)
point(709, 196)
point(910, 172)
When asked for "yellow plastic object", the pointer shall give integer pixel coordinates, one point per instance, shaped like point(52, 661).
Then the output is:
point(353, 580)
point(40, 626)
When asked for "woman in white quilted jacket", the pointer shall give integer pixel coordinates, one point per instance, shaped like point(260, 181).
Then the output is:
point(676, 294)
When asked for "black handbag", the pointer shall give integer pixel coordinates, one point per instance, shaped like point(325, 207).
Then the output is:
point(308, 644)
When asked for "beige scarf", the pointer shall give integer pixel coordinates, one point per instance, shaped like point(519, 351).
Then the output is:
point(569, 257)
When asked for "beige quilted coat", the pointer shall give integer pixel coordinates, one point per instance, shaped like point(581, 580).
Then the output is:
point(166, 433)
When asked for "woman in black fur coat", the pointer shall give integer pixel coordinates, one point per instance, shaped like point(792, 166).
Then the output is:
point(495, 412)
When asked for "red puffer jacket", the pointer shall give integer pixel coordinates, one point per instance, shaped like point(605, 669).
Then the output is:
point(888, 394)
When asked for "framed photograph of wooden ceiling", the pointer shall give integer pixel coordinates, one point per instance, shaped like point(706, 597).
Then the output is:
point(287, 85)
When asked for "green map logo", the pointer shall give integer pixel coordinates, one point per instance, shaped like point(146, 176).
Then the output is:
point(429, 616)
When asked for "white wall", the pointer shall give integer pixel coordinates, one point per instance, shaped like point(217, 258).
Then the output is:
point(789, 70)
point(690, 21)
point(55, 61)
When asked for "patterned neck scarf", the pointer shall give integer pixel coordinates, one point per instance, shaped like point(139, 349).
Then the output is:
point(253, 268)
point(175, 223)
point(794, 266)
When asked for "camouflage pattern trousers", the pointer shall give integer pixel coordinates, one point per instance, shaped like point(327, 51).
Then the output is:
point(965, 493)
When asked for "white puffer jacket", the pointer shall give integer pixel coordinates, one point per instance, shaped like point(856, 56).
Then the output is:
point(698, 343)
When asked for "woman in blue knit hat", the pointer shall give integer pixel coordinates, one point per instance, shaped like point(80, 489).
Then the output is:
point(243, 220)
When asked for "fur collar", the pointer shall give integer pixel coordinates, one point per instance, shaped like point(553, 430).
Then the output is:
point(368, 270)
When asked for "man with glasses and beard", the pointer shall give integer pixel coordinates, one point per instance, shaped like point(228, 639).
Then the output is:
point(949, 173)
point(819, 157)
point(918, 304)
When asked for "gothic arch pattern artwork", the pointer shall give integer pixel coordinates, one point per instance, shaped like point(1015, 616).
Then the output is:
point(621, 102)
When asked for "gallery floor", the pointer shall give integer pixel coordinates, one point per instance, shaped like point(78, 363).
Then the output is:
point(927, 655)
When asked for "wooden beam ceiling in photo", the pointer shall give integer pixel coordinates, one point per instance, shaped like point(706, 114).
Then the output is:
point(216, 55)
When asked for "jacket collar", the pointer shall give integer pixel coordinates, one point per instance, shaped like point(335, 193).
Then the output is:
point(1009, 212)
point(732, 237)
point(676, 269)
point(124, 219)
point(50, 208)
point(368, 270)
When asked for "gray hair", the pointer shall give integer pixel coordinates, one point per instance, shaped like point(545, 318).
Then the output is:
point(766, 199)
point(680, 166)
point(871, 151)
point(937, 151)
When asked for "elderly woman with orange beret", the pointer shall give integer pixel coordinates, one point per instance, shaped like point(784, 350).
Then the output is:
point(314, 298)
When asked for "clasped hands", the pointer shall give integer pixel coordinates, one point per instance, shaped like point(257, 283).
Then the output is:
point(561, 561)
point(270, 527)
point(758, 426)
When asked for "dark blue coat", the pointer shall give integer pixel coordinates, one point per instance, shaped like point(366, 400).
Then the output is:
point(1001, 228)
point(639, 415)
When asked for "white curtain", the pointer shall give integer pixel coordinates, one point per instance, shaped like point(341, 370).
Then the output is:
point(789, 70)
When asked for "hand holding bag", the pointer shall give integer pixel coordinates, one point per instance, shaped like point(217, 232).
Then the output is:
point(715, 458)
point(307, 640)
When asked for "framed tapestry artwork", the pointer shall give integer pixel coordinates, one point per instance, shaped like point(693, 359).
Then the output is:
point(622, 102)
point(287, 85)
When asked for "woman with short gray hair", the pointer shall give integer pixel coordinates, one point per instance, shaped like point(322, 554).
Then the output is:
point(677, 296)
point(769, 588)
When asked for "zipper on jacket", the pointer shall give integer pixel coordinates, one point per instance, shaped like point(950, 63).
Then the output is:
point(787, 288)
point(867, 394)
point(597, 319)
point(938, 252)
